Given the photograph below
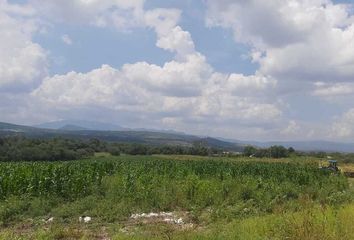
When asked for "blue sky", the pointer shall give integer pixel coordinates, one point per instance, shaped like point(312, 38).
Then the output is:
point(94, 46)
point(256, 70)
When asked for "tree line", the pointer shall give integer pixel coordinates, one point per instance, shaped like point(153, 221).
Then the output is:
point(58, 149)
point(282, 152)
point(271, 152)
point(19, 148)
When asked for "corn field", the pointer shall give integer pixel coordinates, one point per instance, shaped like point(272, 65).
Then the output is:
point(71, 180)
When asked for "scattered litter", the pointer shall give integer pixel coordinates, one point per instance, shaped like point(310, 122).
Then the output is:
point(173, 220)
point(169, 220)
point(151, 215)
point(85, 219)
point(49, 220)
point(179, 221)
point(167, 217)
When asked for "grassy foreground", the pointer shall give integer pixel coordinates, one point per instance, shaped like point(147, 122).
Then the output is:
point(317, 223)
point(218, 198)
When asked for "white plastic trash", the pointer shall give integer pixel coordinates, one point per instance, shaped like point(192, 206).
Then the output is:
point(85, 219)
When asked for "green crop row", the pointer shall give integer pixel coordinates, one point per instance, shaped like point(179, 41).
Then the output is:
point(80, 178)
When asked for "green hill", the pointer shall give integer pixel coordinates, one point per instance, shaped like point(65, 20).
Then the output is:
point(144, 137)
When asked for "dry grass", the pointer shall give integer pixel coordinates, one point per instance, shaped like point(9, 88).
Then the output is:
point(349, 167)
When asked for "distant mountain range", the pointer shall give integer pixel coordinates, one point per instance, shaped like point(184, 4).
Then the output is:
point(69, 130)
point(92, 125)
point(111, 132)
point(80, 125)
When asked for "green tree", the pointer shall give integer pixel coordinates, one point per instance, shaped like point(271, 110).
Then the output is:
point(278, 152)
point(249, 150)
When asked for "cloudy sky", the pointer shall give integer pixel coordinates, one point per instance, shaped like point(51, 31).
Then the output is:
point(255, 69)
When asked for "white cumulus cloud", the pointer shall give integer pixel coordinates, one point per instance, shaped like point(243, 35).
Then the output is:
point(301, 46)
point(23, 63)
point(183, 90)
point(303, 40)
